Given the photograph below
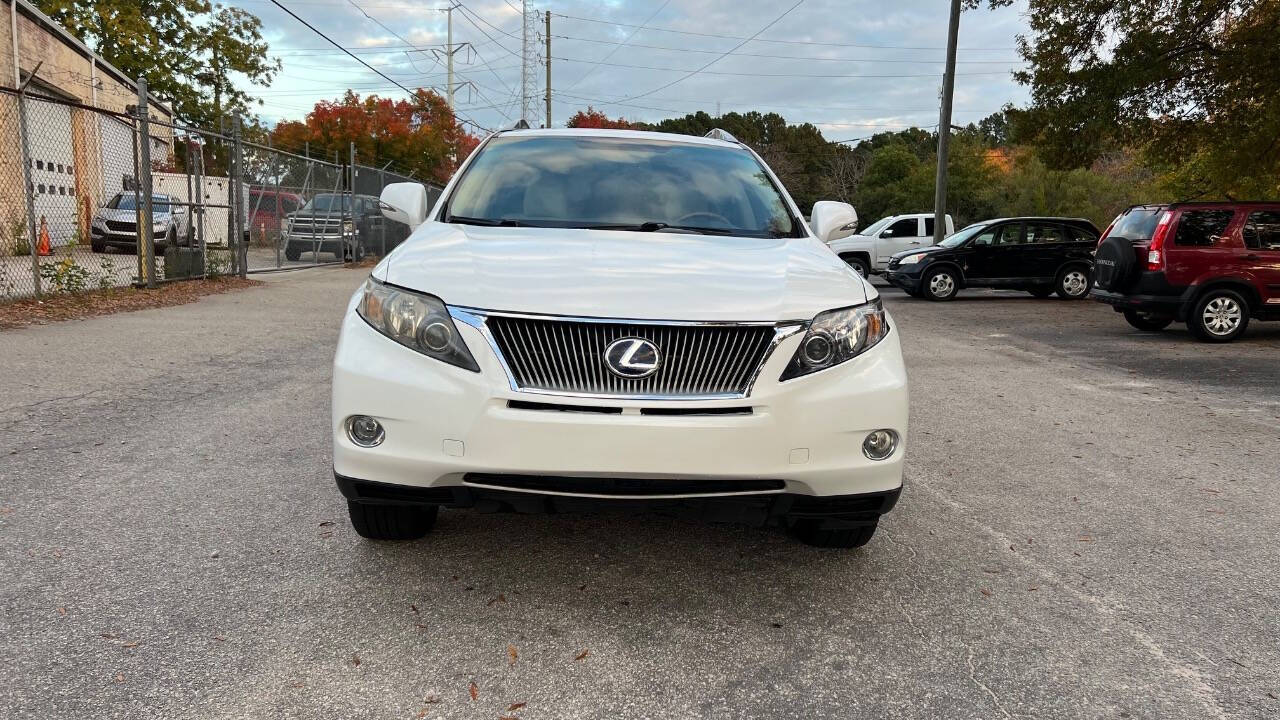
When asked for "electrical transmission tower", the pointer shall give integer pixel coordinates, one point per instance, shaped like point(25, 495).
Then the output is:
point(529, 64)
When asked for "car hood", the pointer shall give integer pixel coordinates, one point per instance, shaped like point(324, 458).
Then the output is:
point(606, 273)
point(931, 250)
point(124, 215)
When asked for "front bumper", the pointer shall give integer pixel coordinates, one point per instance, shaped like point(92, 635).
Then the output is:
point(910, 282)
point(447, 427)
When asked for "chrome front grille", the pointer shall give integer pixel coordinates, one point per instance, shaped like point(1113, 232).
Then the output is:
point(568, 356)
point(318, 226)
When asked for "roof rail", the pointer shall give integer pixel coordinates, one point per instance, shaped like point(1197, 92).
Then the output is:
point(720, 134)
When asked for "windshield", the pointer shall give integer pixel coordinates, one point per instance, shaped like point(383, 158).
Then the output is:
point(1138, 224)
point(619, 183)
point(328, 203)
point(159, 203)
point(959, 238)
point(877, 226)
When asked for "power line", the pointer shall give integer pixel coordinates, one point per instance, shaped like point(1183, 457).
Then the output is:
point(785, 42)
point(809, 58)
point(718, 58)
point(617, 46)
point(378, 72)
point(760, 74)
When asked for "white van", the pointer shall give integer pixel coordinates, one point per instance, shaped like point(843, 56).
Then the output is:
point(869, 250)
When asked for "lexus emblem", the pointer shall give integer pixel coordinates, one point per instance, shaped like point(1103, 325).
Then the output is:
point(632, 357)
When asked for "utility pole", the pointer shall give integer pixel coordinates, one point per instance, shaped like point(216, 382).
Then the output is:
point(547, 18)
point(528, 61)
point(449, 52)
point(944, 128)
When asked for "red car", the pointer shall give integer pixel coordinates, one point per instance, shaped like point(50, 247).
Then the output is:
point(268, 209)
point(1211, 265)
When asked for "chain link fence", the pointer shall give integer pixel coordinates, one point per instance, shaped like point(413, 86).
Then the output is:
point(93, 199)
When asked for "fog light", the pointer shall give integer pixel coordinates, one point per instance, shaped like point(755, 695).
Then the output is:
point(880, 444)
point(365, 431)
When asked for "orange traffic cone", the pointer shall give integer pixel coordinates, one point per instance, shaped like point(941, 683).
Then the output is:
point(43, 247)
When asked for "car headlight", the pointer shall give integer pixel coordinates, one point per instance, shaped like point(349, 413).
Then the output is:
point(836, 336)
point(419, 322)
point(911, 259)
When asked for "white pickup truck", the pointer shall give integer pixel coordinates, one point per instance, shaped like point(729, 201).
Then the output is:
point(869, 250)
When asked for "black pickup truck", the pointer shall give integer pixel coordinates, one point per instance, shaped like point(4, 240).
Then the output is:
point(349, 226)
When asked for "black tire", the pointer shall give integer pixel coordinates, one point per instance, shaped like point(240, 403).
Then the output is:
point(818, 533)
point(1228, 316)
point(941, 284)
point(391, 522)
point(858, 263)
point(1114, 265)
point(1146, 321)
point(1073, 282)
point(98, 247)
point(1041, 292)
point(292, 252)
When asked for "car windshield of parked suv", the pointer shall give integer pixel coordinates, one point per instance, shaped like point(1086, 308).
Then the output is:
point(960, 238)
point(1138, 224)
point(875, 227)
point(126, 201)
point(619, 183)
point(328, 203)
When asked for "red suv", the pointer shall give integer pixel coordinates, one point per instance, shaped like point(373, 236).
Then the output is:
point(1212, 265)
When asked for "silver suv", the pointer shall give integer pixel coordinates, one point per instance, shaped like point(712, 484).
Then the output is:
point(116, 223)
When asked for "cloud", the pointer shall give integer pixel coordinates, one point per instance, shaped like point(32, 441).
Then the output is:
point(880, 71)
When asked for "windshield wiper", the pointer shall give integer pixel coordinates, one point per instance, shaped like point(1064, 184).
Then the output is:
point(653, 226)
point(487, 222)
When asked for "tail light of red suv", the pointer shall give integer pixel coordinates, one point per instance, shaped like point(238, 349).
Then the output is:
point(1155, 252)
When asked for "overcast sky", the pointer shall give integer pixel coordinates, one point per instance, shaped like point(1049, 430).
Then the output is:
point(851, 68)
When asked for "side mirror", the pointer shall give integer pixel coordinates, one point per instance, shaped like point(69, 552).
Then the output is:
point(833, 220)
point(405, 203)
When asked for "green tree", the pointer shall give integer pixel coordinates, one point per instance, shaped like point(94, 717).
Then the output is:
point(190, 51)
point(1194, 85)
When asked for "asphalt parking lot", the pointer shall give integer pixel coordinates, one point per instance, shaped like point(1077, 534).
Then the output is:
point(1088, 531)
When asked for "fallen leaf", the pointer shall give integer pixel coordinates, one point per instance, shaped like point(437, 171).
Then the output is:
point(582, 655)
point(515, 706)
point(432, 698)
point(582, 587)
point(512, 654)
point(1085, 538)
point(422, 713)
point(508, 717)
point(326, 534)
point(219, 638)
point(119, 677)
point(988, 570)
point(986, 592)
point(414, 608)
point(133, 644)
point(420, 626)
point(1210, 490)
point(1032, 589)
point(500, 599)
point(326, 523)
point(297, 685)
point(108, 636)
point(62, 611)
point(475, 691)
point(57, 553)
point(776, 625)
point(355, 659)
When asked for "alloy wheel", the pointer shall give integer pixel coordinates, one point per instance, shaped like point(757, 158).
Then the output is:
point(1075, 283)
point(1222, 316)
point(942, 284)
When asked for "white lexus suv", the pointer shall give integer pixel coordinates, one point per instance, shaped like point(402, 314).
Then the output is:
point(618, 317)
